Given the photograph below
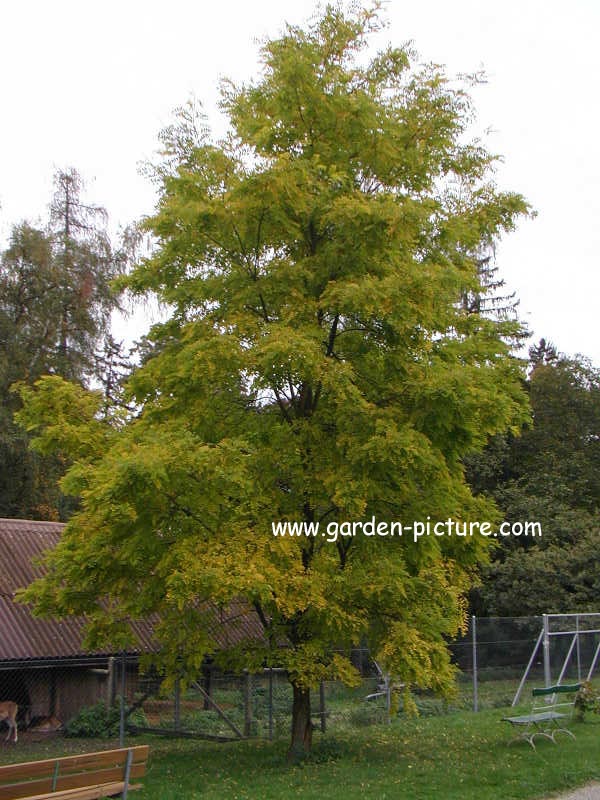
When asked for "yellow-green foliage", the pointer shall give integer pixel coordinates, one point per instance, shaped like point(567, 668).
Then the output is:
point(319, 365)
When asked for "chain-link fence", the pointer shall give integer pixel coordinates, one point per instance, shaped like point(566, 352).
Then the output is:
point(226, 706)
point(498, 661)
point(51, 693)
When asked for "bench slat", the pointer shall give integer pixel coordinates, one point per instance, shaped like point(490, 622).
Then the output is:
point(90, 793)
point(563, 688)
point(98, 777)
point(525, 719)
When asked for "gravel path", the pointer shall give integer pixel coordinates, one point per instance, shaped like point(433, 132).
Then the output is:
point(589, 792)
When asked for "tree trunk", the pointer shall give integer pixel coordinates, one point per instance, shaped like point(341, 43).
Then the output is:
point(301, 724)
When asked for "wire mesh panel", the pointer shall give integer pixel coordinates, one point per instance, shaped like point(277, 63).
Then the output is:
point(573, 645)
point(214, 706)
point(492, 658)
point(498, 661)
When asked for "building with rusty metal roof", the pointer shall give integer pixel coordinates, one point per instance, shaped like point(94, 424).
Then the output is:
point(44, 666)
point(23, 637)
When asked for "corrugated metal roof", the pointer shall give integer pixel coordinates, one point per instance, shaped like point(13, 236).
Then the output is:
point(21, 542)
point(24, 637)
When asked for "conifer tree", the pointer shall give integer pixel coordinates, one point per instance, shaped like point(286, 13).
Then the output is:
point(55, 305)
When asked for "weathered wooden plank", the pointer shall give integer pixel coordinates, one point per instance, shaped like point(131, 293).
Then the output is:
point(90, 793)
point(78, 777)
point(70, 763)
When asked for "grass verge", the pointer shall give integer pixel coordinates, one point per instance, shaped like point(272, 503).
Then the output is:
point(460, 756)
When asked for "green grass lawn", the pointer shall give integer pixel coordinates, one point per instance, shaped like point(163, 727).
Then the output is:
point(456, 756)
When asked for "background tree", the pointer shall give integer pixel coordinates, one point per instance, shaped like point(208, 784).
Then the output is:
point(319, 365)
point(85, 266)
point(550, 474)
point(55, 305)
point(28, 482)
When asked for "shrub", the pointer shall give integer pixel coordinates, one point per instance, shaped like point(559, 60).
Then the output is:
point(94, 722)
point(587, 699)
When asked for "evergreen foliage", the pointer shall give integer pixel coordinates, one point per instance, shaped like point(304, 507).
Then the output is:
point(55, 305)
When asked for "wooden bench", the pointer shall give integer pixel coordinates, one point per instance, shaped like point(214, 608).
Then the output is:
point(84, 777)
point(545, 717)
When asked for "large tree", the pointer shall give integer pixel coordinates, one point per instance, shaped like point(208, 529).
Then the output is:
point(319, 365)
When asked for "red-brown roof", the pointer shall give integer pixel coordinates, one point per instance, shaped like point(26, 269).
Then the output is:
point(24, 637)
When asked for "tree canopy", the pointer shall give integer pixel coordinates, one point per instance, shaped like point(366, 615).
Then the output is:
point(548, 474)
point(319, 365)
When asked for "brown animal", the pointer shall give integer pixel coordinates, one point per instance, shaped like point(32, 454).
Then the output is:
point(8, 712)
point(46, 725)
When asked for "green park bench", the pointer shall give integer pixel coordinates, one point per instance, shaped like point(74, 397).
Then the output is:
point(546, 714)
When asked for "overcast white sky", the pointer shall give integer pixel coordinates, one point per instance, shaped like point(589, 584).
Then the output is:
point(90, 85)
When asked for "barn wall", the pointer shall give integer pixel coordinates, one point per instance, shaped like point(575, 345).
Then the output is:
point(76, 688)
point(62, 692)
point(38, 683)
point(53, 691)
